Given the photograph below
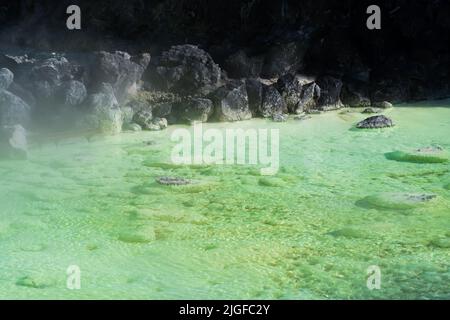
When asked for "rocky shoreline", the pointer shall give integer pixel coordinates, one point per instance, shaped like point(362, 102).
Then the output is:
point(109, 92)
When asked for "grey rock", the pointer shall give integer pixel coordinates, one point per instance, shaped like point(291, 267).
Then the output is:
point(157, 124)
point(279, 117)
point(272, 102)
point(231, 102)
point(383, 105)
point(188, 70)
point(290, 87)
point(193, 110)
point(13, 110)
point(255, 90)
point(172, 181)
point(6, 78)
point(375, 122)
point(143, 118)
point(72, 93)
point(371, 110)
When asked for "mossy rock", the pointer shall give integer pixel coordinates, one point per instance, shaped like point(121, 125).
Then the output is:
point(36, 282)
point(271, 182)
point(140, 234)
point(443, 243)
point(349, 233)
point(423, 155)
point(396, 201)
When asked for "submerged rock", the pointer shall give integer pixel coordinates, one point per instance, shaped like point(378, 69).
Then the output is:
point(172, 181)
point(348, 233)
point(371, 110)
point(35, 282)
point(139, 234)
point(422, 155)
point(375, 122)
point(443, 243)
point(396, 201)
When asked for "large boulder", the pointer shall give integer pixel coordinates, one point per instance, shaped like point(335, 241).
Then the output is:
point(375, 122)
point(6, 78)
point(120, 70)
point(13, 142)
point(272, 103)
point(330, 93)
point(310, 95)
point(146, 121)
point(13, 110)
point(193, 109)
point(231, 102)
point(104, 112)
point(188, 70)
point(239, 65)
point(291, 88)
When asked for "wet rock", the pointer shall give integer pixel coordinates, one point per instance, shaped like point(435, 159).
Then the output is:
point(172, 181)
point(371, 110)
point(302, 117)
point(396, 201)
point(375, 122)
point(6, 78)
point(239, 65)
point(192, 110)
point(188, 70)
point(13, 110)
point(231, 102)
point(330, 93)
point(272, 102)
point(143, 118)
point(132, 127)
point(382, 105)
point(433, 154)
point(120, 70)
point(13, 142)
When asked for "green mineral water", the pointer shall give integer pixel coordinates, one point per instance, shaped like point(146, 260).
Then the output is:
point(339, 204)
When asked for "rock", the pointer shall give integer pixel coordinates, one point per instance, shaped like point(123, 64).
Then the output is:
point(72, 93)
point(172, 181)
point(355, 95)
point(6, 78)
point(254, 89)
point(231, 102)
point(396, 201)
point(330, 93)
point(302, 117)
point(279, 117)
point(104, 112)
point(290, 87)
point(350, 233)
point(239, 65)
point(309, 98)
point(157, 124)
point(188, 70)
point(120, 70)
point(13, 110)
point(433, 154)
point(375, 122)
point(35, 282)
point(193, 110)
point(272, 102)
point(132, 127)
point(271, 182)
point(382, 105)
point(13, 142)
point(371, 110)
point(143, 118)
point(23, 93)
point(160, 104)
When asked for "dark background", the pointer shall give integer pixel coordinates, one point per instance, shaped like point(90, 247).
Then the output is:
point(410, 53)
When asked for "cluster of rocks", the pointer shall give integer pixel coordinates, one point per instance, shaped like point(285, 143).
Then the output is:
point(108, 92)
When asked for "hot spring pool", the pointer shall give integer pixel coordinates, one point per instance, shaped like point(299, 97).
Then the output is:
point(337, 206)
